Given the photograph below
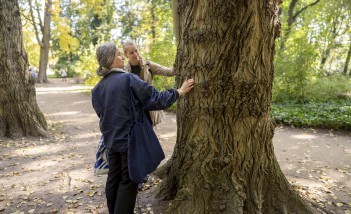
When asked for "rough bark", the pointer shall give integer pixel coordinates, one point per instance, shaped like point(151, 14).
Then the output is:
point(224, 159)
point(19, 112)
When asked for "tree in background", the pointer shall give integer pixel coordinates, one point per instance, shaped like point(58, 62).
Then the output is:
point(223, 161)
point(294, 10)
point(87, 22)
point(314, 34)
point(65, 40)
point(42, 33)
point(149, 24)
point(313, 49)
point(19, 112)
point(347, 60)
point(333, 31)
point(29, 39)
point(94, 21)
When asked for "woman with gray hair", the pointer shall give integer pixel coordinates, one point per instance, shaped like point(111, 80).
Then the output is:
point(146, 70)
point(110, 98)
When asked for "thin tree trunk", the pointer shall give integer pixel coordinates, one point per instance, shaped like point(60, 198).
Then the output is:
point(290, 21)
point(335, 32)
point(174, 5)
point(45, 47)
point(153, 20)
point(224, 160)
point(19, 112)
point(347, 61)
point(325, 56)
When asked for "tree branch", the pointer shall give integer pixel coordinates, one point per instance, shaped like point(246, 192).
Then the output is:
point(26, 17)
point(305, 8)
point(34, 24)
point(39, 17)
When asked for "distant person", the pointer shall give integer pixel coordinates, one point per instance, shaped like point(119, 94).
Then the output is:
point(146, 70)
point(110, 98)
point(33, 75)
point(63, 75)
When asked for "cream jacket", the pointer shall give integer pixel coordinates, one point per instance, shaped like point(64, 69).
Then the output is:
point(150, 69)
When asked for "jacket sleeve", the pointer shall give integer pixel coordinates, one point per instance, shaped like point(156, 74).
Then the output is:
point(95, 103)
point(149, 97)
point(157, 69)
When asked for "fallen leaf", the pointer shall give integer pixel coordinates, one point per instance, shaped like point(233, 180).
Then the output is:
point(53, 211)
point(91, 193)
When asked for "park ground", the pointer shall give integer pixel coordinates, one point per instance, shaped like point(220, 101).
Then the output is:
point(55, 174)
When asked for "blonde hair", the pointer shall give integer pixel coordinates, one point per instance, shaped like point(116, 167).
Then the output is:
point(126, 44)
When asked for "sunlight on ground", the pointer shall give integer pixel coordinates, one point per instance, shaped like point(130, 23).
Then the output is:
point(82, 121)
point(303, 136)
point(59, 92)
point(314, 189)
point(64, 113)
point(87, 135)
point(69, 88)
point(167, 135)
point(80, 102)
point(38, 150)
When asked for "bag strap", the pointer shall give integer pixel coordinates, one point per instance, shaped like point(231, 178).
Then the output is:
point(132, 110)
point(131, 107)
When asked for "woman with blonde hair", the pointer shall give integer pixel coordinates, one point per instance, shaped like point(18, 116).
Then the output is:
point(146, 70)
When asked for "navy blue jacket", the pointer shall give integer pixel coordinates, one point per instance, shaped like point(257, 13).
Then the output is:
point(110, 99)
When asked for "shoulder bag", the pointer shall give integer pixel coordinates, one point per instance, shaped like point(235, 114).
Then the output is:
point(144, 150)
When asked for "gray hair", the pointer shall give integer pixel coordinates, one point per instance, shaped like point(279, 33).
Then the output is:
point(105, 55)
point(128, 43)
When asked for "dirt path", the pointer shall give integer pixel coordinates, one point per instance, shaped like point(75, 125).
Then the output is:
point(54, 175)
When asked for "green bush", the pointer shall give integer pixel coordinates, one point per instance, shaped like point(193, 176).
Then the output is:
point(333, 114)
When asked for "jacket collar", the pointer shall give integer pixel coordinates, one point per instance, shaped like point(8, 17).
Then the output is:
point(114, 70)
point(118, 70)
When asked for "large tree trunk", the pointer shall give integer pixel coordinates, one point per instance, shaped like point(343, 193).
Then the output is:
point(19, 112)
point(224, 159)
point(45, 44)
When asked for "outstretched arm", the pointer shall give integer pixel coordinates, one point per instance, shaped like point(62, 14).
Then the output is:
point(151, 99)
point(157, 69)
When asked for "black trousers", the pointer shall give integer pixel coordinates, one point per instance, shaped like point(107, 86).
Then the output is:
point(120, 190)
